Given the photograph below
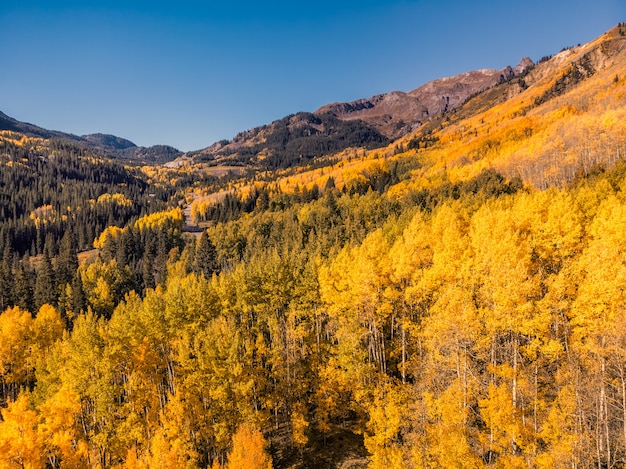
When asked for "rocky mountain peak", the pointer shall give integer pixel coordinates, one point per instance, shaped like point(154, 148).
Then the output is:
point(523, 65)
point(397, 113)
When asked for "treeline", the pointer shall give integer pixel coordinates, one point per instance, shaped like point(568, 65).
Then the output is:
point(269, 197)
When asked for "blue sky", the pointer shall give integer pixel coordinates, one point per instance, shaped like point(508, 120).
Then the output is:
point(189, 73)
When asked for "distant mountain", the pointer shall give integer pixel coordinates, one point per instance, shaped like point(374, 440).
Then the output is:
point(294, 140)
point(109, 141)
point(9, 123)
point(109, 146)
point(372, 122)
point(396, 113)
point(125, 149)
point(154, 154)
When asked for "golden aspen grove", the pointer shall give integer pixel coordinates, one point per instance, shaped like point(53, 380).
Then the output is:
point(455, 298)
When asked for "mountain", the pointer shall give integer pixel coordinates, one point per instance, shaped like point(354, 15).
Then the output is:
point(396, 113)
point(13, 125)
point(369, 123)
point(157, 154)
point(545, 123)
point(293, 140)
point(109, 146)
point(563, 116)
point(109, 141)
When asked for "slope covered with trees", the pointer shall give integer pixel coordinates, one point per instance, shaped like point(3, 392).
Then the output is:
point(294, 140)
point(453, 300)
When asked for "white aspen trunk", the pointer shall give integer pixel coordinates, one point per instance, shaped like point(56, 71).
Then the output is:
point(514, 390)
point(623, 382)
point(605, 412)
point(404, 360)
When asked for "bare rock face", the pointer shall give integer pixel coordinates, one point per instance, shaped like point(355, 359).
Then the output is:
point(397, 113)
point(524, 64)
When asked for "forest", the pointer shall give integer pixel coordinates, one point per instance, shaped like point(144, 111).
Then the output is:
point(454, 299)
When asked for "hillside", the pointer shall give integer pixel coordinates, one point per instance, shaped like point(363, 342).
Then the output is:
point(563, 116)
point(109, 141)
point(395, 114)
point(453, 297)
point(109, 146)
point(546, 124)
point(373, 122)
point(292, 141)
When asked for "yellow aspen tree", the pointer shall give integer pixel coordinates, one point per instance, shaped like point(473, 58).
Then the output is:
point(141, 368)
point(410, 257)
point(505, 441)
point(299, 425)
point(21, 444)
point(171, 443)
point(597, 330)
point(248, 451)
point(559, 432)
point(16, 366)
point(353, 289)
point(383, 438)
point(507, 296)
point(59, 426)
point(447, 430)
point(47, 329)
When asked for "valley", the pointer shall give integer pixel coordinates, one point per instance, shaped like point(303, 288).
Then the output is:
point(387, 283)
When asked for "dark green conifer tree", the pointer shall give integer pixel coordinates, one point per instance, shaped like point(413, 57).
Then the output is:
point(45, 285)
point(6, 279)
point(78, 300)
point(67, 262)
point(206, 262)
point(24, 280)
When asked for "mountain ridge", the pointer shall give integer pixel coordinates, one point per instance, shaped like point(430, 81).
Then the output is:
point(368, 122)
point(110, 145)
point(375, 121)
point(397, 113)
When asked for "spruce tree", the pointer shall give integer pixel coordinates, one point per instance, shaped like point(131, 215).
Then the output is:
point(45, 285)
point(24, 280)
point(67, 262)
point(6, 279)
point(78, 300)
point(206, 257)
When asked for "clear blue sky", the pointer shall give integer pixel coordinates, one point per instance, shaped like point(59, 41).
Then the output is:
point(189, 73)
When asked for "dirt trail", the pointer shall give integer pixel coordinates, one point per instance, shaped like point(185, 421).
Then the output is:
point(189, 226)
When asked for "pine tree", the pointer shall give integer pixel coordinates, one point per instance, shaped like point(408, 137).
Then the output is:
point(206, 262)
point(24, 280)
point(67, 262)
point(160, 260)
point(78, 300)
point(45, 291)
point(6, 279)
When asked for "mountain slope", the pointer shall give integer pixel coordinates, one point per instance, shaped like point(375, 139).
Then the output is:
point(109, 146)
point(561, 119)
point(396, 113)
point(565, 115)
point(13, 125)
point(110, 141)
point(369, 122)
point(293, 140)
